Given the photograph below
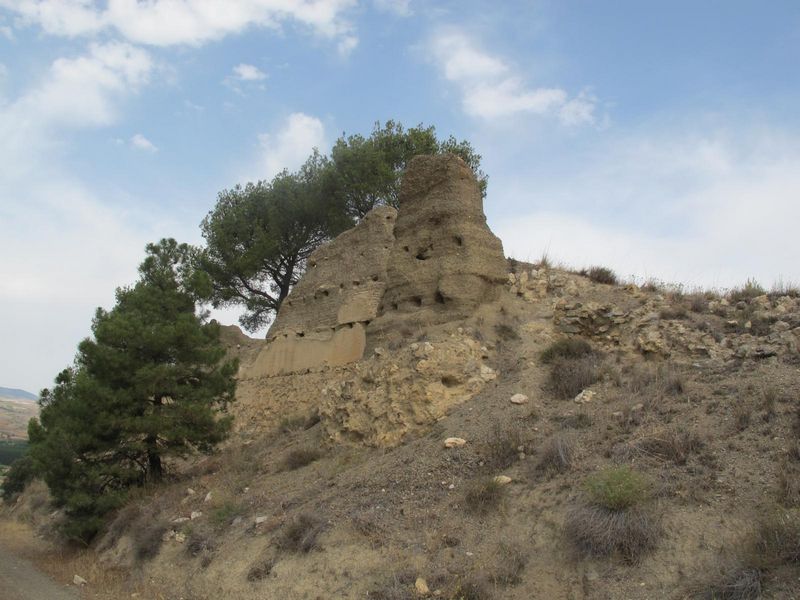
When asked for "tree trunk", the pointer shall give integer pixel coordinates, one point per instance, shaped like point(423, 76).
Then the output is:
point(154, 467)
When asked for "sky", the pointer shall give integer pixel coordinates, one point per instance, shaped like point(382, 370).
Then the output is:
point(661, 138)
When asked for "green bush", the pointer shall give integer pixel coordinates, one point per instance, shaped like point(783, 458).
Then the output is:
point(618, 488)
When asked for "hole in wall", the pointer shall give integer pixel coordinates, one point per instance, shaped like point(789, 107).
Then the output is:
point(439, 298)
point(459, 240)
point(449, 381)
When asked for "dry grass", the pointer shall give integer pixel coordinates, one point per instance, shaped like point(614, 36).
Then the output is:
point(673, 313)
point(471, 588)
point(261, 569)
point(502, 448)
point(742, 416)
point(484, 496)
point(510, 564)
point(599, 531)
point(789, 481)
point(773, 544)
point(300, 457)
point(600, 275)
point(674, 445)
point(751, 289)
point(566, 348)
point(301, 535)
point(506, 332)
point(569, 377)
point(731, 582)
point(556, 455)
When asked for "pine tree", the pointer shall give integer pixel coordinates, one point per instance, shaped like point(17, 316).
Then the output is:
point(150, 384)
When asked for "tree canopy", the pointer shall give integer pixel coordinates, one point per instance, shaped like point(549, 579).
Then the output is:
point(366, 171)
point(149, 385)
point(259, 237)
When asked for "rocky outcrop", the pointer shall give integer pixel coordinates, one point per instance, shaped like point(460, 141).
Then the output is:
point(385, 397)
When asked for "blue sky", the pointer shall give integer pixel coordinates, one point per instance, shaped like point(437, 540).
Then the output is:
point(661, 139)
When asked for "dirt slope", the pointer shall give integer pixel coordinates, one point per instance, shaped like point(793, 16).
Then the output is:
point(700, 394)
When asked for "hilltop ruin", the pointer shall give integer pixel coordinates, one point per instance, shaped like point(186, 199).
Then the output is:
point(435, 260)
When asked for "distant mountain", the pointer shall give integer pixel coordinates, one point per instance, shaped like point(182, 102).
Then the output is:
point(15, 394)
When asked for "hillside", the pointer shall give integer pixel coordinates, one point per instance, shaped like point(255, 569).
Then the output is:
point(432, 422)
point(17, 394)
point(17, 407)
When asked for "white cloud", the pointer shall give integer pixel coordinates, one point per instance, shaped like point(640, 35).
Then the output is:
point(139, 142)
point(346, 45)
point(701, 209)
point(245, 72)
point(291, 146)
point(491, 89)
point(181, 22)
point(83, 91)
point(64, 249)
point(401, 8)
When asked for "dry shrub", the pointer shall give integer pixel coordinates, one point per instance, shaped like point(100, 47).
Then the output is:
point(484, 495)
point(370, 529)
point(599, 531)
point(569, 377)
point(506, 332)
point(300, 536)
point(578, 420)
point(656, 381)
point(600, 275)
point(147, 539)
point(566, 348)
point(511, 562)
point(199, 541)
point(261, 569)
point(501, 450)
point(789, 483)
point(556, 455)
point(292, 423)
point(673, 313)
point(751, 289)
point(698, 303)
point(393, 590)
point(300, 457)
point(472, 588)
point(774, 543)
point(119, 526)
point(731, 582)
point(672, 445)
point(742, 415)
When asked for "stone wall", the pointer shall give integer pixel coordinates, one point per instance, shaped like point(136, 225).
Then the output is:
point(322, 321)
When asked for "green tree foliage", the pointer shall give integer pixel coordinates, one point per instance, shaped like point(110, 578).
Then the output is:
point(18, 476)
point(366, 171)
point(149, 385)
point(258, 238)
